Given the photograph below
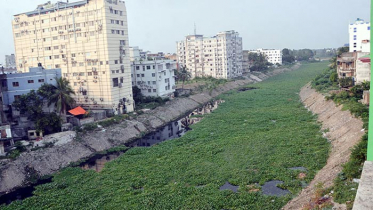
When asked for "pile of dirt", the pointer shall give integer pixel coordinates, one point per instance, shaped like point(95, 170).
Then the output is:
point(344, 132)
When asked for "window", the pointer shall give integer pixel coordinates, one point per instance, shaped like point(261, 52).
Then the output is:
point(368, 28)
point(15, 84)
point(154, 82)
point(73, 55)
point(142, 75)
point(137, 67)
point(17, 97)
point(30, 81)
point(355, 37)
point(57, 66)
point(147, 67)
point(115, 82)
point(149, 90)
point(116, 61)
point(154, 90)
point(101, 63)
point(153, 74)
point(138, 75)
point(355, 30)
point(41, 80)
point(122, 42)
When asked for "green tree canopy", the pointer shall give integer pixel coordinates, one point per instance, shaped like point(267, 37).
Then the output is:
point(287, 56)
point(258, 62)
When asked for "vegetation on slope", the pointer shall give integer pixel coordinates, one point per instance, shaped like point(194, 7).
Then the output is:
point(327, 83)
point(254, 137)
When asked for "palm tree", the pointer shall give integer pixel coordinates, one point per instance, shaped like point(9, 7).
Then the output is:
point(183, 75)
point(61, 95)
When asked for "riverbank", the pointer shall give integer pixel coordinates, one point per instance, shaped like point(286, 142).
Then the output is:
point(259, 136)
point(343, 130)
point(36, 164)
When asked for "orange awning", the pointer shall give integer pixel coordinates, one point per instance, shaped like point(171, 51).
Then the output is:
point(77, 111)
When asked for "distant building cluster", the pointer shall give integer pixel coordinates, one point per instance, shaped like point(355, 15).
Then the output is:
point(219, 56)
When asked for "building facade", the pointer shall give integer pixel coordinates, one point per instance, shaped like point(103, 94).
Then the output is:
point(154, 78)
point(88, 40)
point(15, 85)
point(362, 67)
point(359, 36)
point(219, 56)
point(10, 61)
point(273, 56)
point(346, 65)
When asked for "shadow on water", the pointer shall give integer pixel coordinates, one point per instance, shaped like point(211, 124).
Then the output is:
point(172, 130)
point(22, 193)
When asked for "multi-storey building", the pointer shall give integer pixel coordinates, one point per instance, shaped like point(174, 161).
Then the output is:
point(10, 61)
point(88, 40)
point(154, 78)
point(273, 56)
point(219, 56)
point(359, 33)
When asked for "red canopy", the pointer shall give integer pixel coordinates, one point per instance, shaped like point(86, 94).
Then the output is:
point(77, 111)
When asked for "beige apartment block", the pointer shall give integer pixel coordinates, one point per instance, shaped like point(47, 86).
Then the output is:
point(88, 40)
point(219, 56)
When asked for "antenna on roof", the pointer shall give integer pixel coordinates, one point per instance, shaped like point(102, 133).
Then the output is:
point(195, 29)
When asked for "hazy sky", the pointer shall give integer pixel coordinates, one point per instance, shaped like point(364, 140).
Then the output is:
point(156, 25)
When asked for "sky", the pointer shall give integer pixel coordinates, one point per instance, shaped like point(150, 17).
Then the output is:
point(156, 25)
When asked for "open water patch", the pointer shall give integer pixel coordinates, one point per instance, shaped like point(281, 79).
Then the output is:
point(270, 188)
point(229, 186)
point(246, 89)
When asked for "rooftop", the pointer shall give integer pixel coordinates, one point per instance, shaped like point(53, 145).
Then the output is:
point(49, 7)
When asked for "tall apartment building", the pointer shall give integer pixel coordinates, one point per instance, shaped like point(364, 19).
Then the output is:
point(219, 56)
point(88, 40)
point(273, 56)
point(10, 61)
point(359, 36)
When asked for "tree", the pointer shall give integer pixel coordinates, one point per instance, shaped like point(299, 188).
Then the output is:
point(183, 75)
point(287, 56)
point(61, 96)
point(340, 51)
point(258, 62)
point(31, 105)
point(137, 95)
point(303, 54)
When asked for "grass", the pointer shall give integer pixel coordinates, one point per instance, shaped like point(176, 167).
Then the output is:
point(254, 137)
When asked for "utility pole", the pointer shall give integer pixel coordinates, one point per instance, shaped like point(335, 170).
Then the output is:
point(370, 129)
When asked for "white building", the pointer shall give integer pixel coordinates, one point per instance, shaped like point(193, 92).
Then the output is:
point(359, 33)
point(10, 61)
point(88, 40)
point(154, 78)
point(273, 56)
point(219, 56)
point(362, 67)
